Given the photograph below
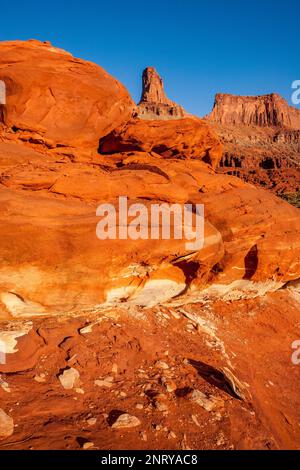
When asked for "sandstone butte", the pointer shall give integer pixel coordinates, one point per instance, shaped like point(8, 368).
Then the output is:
point(223, 317)
point(261, 138)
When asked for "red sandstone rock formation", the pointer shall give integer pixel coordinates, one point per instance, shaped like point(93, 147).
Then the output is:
point(49, 204)
point(261, 140)
point(266, 110)
point(184, 138)
point(63, 194)
point(150, 161)
point(61, 288)
point(60, 100)
point(154, 104)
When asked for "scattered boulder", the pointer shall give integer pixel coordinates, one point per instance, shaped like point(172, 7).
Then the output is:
point(91, 421)
point(169, 384)
point(107, 382)
point(139, 406)
point(208, 402)
point(88, 445)
point(162, 365)
point(143, 436)
point(69, 378)
point(6, 425)
point(41, 378)
point(125, 421)
point(161, 406)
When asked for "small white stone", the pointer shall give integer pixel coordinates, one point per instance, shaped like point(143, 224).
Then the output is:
point(91, 421)
point(209, 403)
point(104, 382)
point(139, 406)
point(88, 445)
point(87, 329)
point(126, 421)
point(40, 378)
point(195, 419)
point(5, 386)
point(69, 378)
point(143, 436)
point(169, 384)
point(160, 406)
point(162, 365)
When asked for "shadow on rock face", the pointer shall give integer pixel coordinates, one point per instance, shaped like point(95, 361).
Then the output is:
point(113, 416)
point(214, 377)
point(183, 392)
point(251, 263)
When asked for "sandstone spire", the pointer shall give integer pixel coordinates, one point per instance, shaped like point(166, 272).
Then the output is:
point(153, 88)
point(154, 103)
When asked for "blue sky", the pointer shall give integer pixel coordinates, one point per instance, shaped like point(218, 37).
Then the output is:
point(199, 47)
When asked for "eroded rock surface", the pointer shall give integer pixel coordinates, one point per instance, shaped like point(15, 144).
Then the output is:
point(251, 238)
point(56, 99)
point(188, 138)
point(137, 332)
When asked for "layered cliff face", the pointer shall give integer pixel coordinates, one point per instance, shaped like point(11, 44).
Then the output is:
point(261, 140)
point(267, 110)
point(179, 327)
point(154, 103)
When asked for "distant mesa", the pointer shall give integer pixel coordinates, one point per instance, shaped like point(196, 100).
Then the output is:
point(154, 103)
point(261, 141)
point(266, 110)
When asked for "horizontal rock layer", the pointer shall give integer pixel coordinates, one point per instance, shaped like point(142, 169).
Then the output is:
point(266, 157)
point(265, 110)
point(261, 141)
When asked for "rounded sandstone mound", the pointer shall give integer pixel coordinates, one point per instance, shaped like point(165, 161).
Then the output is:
point(53, 261)
point(182, 138)
point(67, 101)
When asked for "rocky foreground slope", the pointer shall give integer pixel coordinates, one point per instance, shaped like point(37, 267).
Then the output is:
point(135, 343)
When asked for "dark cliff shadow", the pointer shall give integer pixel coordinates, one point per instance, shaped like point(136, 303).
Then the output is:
point(251, 263)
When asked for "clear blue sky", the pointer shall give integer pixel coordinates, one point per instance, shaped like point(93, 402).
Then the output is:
point(199, 47)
